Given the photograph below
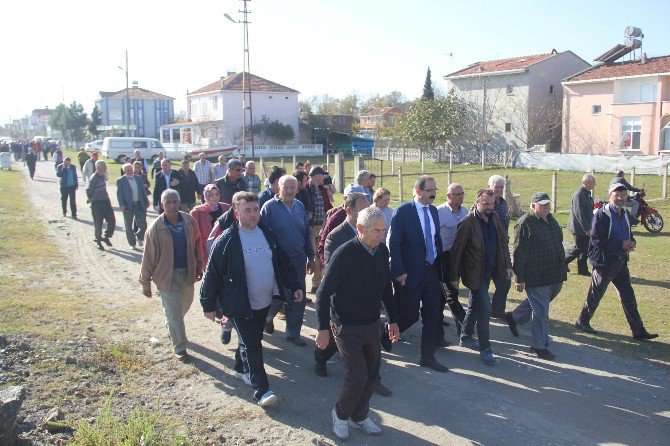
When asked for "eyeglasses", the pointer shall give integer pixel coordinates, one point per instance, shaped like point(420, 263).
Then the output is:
point(431, 190)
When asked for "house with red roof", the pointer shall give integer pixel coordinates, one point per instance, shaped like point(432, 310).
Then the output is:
point(217, 107)
point(515, 102)
point(619, 107)
point(374, 120)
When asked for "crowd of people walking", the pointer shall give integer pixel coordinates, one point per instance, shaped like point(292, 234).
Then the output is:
point(375, 272)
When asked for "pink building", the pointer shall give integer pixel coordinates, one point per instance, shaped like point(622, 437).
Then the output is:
point(621, 107)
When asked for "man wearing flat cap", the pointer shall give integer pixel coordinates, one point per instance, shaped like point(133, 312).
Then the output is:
point(539, 266)
point(319, 205)
point(611, 242)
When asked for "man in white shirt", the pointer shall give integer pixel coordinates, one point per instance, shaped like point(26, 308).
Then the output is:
point(203, 171)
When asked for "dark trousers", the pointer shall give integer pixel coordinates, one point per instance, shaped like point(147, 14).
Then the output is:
point(65, 193)
point(422, 300)
point(579, 251)
point(135, 215)
point(46, 155)
point(499, 299)
point(450, 295)
point(479, 312)
point(31, 170)
point(616, 272)
point(323, 355)
point(102, 211)
point(360, 348)
point(249, 353)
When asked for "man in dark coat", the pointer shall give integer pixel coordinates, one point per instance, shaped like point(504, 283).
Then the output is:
point(579, 223)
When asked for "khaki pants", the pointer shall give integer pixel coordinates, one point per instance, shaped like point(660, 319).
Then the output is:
point(318, 273)
point(176, 303)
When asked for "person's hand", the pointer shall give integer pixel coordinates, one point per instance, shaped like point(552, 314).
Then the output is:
point(402, 279)
point(174, 182)
point(310, 266)
point(298, 295)
point(309, 215)
point(321, 339)
point(211, 315)
point(520, 287)
point(510, 273)
point(588, 233)
point(454, 284)
point(394, 333)
point(146, 289)
point(198, 274)
point(123, 208)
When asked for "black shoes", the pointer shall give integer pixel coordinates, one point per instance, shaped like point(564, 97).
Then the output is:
point(269, 327)
point(320, 368)
point(511, 324)
point(442, 343)
point(107, 241)
point(543, 353)
point(297, 341)
point(584, 327)
point(387, 345)
point(225, 337)
point(381, 389)
point(498, 315)
point(99, 245)
point(432, 363)
point(645, 336)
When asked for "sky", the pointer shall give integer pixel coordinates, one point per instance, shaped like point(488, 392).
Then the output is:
point(71, 50)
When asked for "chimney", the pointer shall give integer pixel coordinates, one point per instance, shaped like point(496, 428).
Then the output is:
point(643, 58)
point(135, 84)
point(230, 73)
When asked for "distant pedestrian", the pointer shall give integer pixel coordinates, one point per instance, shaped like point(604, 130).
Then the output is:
point(172, 261)
point(89, 168)
point(579, 224)
point(252, 180)
point(156, 165)
point(138, 157)
point(381, 199)
point(276, 172)
point(219, 170)
point(101, 206)
point(82, 156)
point(188, 186)
point(232, 182)
point(68, 186)
point(133, 202)
point(203, 171)
point(165, 179)
point(31, 161)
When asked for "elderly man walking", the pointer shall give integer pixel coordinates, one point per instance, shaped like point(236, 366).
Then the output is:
point(203, 172)
point(248, 256)
point(133, 202)
point(172, 260)
point(165, 179)
point(610, 244)
point(232, 182)
point(501, 283)
point(579, 223)
point(350, 308)
point(539, 265)
point(252, 180)
point(287, 219)
point(480, 252)
point(101, 206)
point(68, 186)
point(219, 170)
point(320, 205)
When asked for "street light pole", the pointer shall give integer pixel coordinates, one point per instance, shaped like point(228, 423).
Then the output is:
point(127, 99)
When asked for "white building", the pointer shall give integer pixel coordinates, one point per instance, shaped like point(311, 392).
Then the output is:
point(218, 106)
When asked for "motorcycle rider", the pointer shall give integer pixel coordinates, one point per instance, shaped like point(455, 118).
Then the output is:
point(619, 179)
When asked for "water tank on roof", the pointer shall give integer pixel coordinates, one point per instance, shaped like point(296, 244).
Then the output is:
point(632, 31)
point(633, 43)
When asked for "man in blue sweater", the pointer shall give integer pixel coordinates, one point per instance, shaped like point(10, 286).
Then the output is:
point(287, 219)
point(68, 186)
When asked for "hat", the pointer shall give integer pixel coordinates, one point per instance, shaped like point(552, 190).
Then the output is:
point(234, 163)
point(316, 170)
point(354, 189)
point(540, 198)
point(615, 186)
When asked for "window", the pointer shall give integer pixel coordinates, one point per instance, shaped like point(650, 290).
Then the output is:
point(139, 144)
point(508, 127)
point(551, 89)
point(631, 131)
point(596, 109)
point(269, 97)
point(341, 120)
point(390, 120)
point(194, 109)
point(510, 89)
point(648, 92)
point(215, 103)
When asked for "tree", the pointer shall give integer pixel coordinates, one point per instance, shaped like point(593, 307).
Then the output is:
point(431, 122)
point(428, 93)
point(96, 120)
point(71, 121)
point(279, 132)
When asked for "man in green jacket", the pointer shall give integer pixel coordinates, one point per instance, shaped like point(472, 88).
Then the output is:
point(539, 266)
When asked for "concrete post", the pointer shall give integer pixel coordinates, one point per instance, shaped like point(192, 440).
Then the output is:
point(381, 173)
point(404, 155)
point(665, 182)
point(451, 160)
point(449, 177)
point(632, 176)
point(400, 197)
point(554, 186)
point(261, 172)
point(423, 161)
point(392, 164)
point(283, 164)
point(482, 156)
point(295, 161)
point(338, 177)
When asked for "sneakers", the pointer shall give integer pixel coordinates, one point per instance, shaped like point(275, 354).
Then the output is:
point(107, 241)
point(487, 356)
point(99, 245)
point(584, 326)
point(542, 353)
point(244, 377)
point(268, 399)
point(368, 426)
point(468, 342)
point(340, 427)
point(511, 324)
point(225, 337)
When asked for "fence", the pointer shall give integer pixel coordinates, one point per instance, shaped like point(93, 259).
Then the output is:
point(643, 164)
point(276, 151)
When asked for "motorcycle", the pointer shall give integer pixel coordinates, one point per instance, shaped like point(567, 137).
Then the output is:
point(648, 216)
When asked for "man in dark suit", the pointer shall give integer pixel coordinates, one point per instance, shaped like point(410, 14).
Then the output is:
point(416, 267)
point(133, 202)
point(165, 179)
point(579, 223)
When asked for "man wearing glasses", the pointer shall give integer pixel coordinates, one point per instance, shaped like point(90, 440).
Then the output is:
point(479, 253)
point(232, 182)
point(417, 268)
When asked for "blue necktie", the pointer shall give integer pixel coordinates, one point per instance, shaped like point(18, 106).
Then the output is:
point(430, 252)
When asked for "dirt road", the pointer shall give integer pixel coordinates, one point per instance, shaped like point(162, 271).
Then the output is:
point(587, 396)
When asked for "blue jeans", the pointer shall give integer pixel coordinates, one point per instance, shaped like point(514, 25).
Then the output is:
point(479, 312)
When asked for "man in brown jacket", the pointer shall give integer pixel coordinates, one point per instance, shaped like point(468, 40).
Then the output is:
point(173, 261)
point(480, 252)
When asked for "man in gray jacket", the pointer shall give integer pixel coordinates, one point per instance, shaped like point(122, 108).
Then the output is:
point(579, 223)
point(101, 206)
point(133, 202)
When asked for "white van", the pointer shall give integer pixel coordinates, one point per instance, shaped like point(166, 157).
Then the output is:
point(119, 147)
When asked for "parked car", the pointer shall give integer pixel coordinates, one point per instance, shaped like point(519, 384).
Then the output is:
point(118, 148)
point(93, 145)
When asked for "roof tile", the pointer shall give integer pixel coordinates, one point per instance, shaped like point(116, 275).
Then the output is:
point(234, 82)
point(493, 66)
point(654, 65)
point(134, 93)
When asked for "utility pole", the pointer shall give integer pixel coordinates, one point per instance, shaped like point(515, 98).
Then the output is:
point(127, 99)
